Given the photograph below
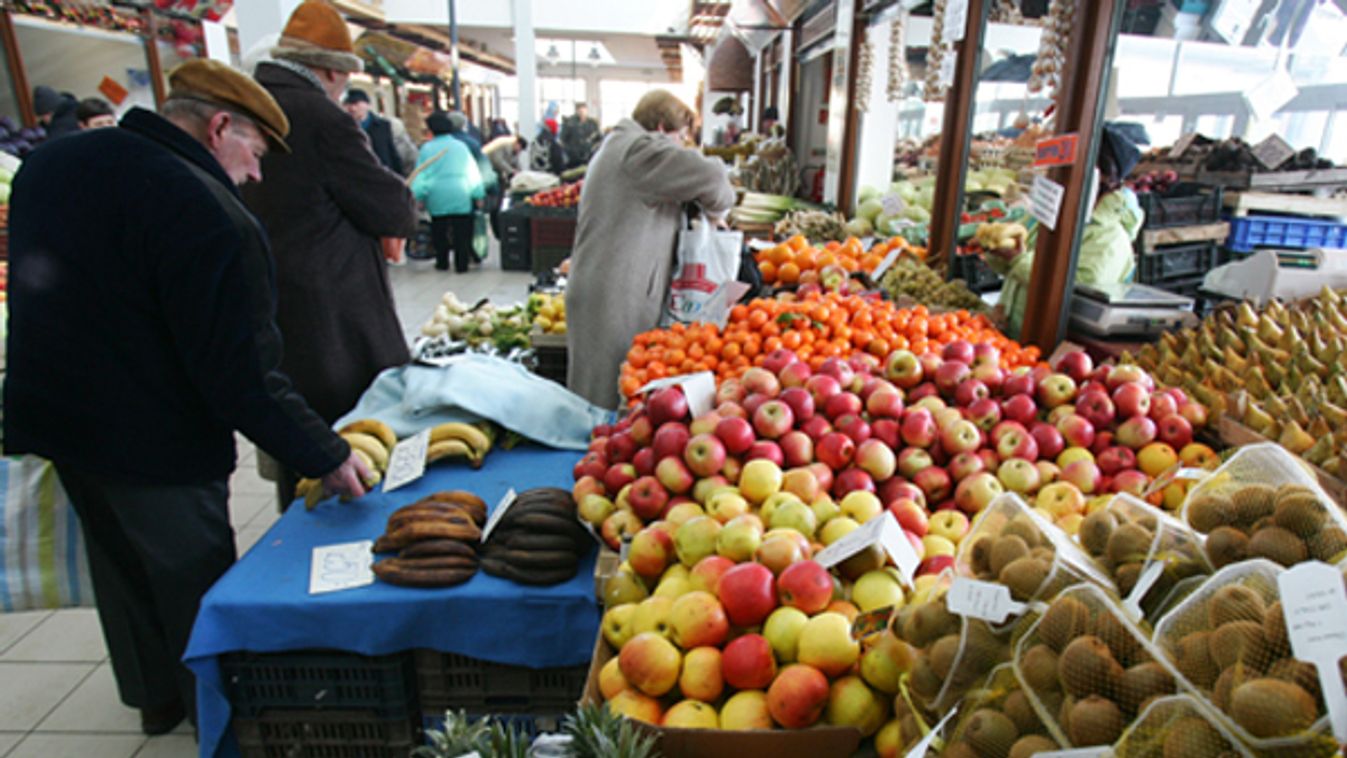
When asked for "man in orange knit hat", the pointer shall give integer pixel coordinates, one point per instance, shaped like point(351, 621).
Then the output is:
point(326, 204)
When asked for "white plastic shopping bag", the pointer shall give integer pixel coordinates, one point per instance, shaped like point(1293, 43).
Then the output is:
point(707, 258)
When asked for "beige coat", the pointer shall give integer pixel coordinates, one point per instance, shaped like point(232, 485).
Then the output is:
point(630, 209)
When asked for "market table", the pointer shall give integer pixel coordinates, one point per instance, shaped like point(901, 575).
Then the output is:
point(263, 603)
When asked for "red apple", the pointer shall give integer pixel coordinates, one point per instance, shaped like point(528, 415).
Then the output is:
point(913, 459)
point(929, 363)
point(1050, 442)
point(618, 476)
point(779, 359)
point(897, 489)
point(1076, 431)
point(668, 404)
point(884, 402)
point(836, 450)
point(704, 455)
point(805, 585)
point(800, 401)
point(642, 430)
point(960, 437)
point(977, 491)
point(839, 370)
point(798, 695)
point(1017, 384)
point(851, 480)
point(911, 516)
point(949, 375)
point(730, 391)
point(797, 448)
point(991, 375)
point(670, 439)
point(935, 564)
point(651, 551)
point(1055, 390)
point(824, 474)
point(1130, 481)
point(816, 427)
point(842, 404)
point(761, 381)
point(736, 434)
point(1075, 364)
point(644, 461)
point(965, 465)
point(958, 350)
point(1102, 441)
point(1195, 412)
point(1175, 431)
point(1084, 474)
point(1115, 459)
point(747, 662)
point(886, 430)
point(748, 592)
point(970, 391)
point(1120, 375)
point(586, 485)
point(592, 464)
point(935, 483)
point(773, 419)
point(821, 387)
point(1017, 443)
point(752, 403)
point(876, 459)
point(1095, 407)
point(853, 426)
point(795, 374)
point(674, 475)
point(765, 449)
point(1137, 432)
point(903, 369)
point(1131, 399)
point(986, 413)
point(918, 428)
point(647, 498)
point(1162, 404)
point(731, 410)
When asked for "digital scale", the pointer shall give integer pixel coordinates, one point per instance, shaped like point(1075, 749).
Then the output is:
point(1129, 310)
point(1280, 274)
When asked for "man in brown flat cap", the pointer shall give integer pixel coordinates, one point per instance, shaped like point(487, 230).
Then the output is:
point(141, 336)
point(326, 204)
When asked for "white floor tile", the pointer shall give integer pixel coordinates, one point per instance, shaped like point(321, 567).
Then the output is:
point(244, 506)
point(9, 740)
point(246, 537)
point(169, 746)
point(265, 517)
point(246, 481)
point(78, 746)
point(13, 626)
point(94, 706)
point(72, 635)
point(32, 690)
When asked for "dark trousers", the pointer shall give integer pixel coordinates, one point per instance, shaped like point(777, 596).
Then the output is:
point(441, 227)
point(153, 550)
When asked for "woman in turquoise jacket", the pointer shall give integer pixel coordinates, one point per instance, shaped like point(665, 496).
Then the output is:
point(1106, 255)
point(450, 185)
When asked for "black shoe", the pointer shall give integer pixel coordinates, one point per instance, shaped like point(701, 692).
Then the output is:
point(161, 720)
point(441, 266)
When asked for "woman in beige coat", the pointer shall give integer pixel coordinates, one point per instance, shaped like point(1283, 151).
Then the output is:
point(630, 211)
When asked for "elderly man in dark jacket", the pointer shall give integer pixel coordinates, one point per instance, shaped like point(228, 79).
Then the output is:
point(55, 111)
point(140, 338)
point(326, 205)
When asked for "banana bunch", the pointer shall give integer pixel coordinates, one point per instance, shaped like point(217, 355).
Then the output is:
point(538, 541)
point(1001, 236)
point(459, 440)
point(435, 540)
point(372, 441)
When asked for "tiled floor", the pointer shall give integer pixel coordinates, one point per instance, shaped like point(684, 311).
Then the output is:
point(57, 694)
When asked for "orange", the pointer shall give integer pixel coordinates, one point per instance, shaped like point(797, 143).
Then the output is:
point(779, 255)
point(768, 270)
point(789, 273)
point(797, 243)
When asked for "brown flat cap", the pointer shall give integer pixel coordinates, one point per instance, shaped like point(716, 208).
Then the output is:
point(216, 83)
point(317, 35)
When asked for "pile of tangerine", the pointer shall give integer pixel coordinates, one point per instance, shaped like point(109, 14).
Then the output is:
point(796, 262)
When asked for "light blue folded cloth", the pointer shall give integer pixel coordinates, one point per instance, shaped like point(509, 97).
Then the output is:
point(474, 387)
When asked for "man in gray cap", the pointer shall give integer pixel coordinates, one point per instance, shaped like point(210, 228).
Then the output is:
point(55, 111)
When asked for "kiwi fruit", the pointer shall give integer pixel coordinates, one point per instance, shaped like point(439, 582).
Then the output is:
point(982, 651)
point(1234, 602)
point(1226, 545)
point(1303, 675)
point(1141, 683)
point(922, 679)
point(1328, 545)
point(943, 654)
point(908, 729)
point(1017, 708)
point(928, 623)
point(1024, 576)
point(959, 750)
point(1192, 657)
point(1287, 489)
point(1064, 713)
point(1119, 639)
point(1025, 747)
point(991, 733)
point(1038, 666)
point(1192, 737)
point(1252, 502)
point(1066, 619)
point(1226, 684)
point(1209, 511)
point(1005, 550)
point(1239, 642)
point(1087, 667)
point(980, 556)
point(1095, 530)
point(1262, 523)
point(1272, 708)
point(1274, 630)
point(1095, 721)
point(1044, 553)
point(1024, 528)
point(1126, 576)
point(1278, 545)
point(1301, 514)
point(1128, 543)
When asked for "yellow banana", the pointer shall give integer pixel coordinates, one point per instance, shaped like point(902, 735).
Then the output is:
point(467, 433)
point(375, 452)
point(311, 490)
point(374, 428)
point(453, 448)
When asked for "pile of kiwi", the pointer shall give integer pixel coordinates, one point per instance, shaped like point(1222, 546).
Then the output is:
point(999, 722)
point(1174, 727)
point(1120, 540)
point(1090, 668)
point(1238, 653)
point(1287, 524)
point(954, 653)
point(1018, 556)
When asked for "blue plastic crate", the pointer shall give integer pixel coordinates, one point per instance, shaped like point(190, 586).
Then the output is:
point(1251, 232)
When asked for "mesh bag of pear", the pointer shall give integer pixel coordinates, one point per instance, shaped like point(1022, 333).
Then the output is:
point(1128, 535)
point(1263, 503)
point(1012, 544)
point(997, 720)
point(1088, 669)
point(1177, 726)
point(1228, 642)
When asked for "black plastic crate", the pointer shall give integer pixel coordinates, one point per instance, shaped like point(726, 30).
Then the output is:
point(546, 257)
point(552, 363)
point(976, 273)
point(446, 681)
point(1190, 287)
point(1186, 204)
point(1177, 262)
point(327, 734)
point(514, 242)
point(319, 680)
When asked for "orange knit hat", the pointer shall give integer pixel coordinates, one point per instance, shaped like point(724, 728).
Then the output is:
point(316, 35)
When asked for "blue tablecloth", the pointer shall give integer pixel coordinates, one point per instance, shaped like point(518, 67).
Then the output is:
point(263, 604)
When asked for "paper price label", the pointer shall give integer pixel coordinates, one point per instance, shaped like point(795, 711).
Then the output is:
point(1315, 604)
point(987, 601)
point(717, 309)
point(498, 513)
point(919, 750)
point(1149, 576)
point(947, 69)
point(1181, 147)
point(699, 388)
point(408, 461)
point(883, 530)
point(956, 19)
point(341, 567)
point(1045, 200)
point(886, 264)
point(1273, 151)
point(892, 205)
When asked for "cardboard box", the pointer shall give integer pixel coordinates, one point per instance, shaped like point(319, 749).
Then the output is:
point(817, 742)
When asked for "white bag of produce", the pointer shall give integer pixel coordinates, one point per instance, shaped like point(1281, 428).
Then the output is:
point(707, 258)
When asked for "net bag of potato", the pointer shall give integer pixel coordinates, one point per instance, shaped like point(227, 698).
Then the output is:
point(1128, 535)
point(1014, 545)
point(996, 719)
point(1177, 727)
point(1228, 642)
point(1263, 503)
point(1088, 669)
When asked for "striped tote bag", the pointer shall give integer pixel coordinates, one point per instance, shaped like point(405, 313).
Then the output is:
point(42, 560)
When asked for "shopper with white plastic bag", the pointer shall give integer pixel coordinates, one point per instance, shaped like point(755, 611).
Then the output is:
point(708, 259)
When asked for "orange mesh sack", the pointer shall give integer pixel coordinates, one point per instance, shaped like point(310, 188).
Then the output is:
point(1177, 726)
point(998, 719)
point(1228, 642)
point(1088, 669)
point(1263, 503)
point(1127, 536)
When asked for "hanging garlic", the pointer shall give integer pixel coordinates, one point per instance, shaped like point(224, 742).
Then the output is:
point(935, 54)
point(865, 65)
point(898, 71)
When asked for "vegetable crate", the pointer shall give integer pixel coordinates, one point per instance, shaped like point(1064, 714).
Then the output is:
point(1187, 204)
point(1167, 264)
point(256, 683)
point(447, 681)
point(1250, 232)
point(326, 734)
point(975, 273)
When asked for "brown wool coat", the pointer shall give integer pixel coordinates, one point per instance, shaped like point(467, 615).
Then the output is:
point(630, 210)
point(325, 206)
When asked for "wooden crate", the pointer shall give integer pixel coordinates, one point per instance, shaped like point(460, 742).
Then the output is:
point(1151, 239)
point(1244, 203)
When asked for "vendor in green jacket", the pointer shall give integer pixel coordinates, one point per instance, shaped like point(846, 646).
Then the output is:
point(1106, 246)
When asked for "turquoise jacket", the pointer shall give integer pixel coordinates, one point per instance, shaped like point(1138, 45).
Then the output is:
point(449, 185)
point(1105, 254)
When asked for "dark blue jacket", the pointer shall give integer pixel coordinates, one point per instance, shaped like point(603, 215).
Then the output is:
point(141, 302)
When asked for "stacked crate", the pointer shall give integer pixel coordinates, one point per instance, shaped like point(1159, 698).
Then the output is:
point(1180, 240)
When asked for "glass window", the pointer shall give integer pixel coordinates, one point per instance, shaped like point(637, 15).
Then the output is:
point(75, 60)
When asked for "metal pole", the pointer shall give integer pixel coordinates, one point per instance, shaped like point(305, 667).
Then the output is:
point(454, 94)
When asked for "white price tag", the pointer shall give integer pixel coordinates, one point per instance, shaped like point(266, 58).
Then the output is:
point(987, 601)
point(1268, 96)
point(717, 309)
point(1045, 200)
point(947, 69)
point(924, 744)
point(1149, 576)
point(341, 567)
point(1273, 151)
point(1315, 604)
point(408, 461)
point(892, 205)
point(886, 264)
point(699, 388)
point(882, 530)
point(498, 512)
point(956, 20)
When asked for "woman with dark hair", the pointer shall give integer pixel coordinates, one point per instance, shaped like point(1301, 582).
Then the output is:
point(450, 185)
